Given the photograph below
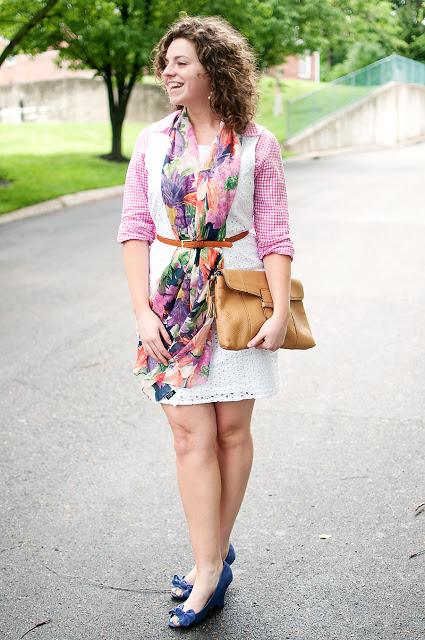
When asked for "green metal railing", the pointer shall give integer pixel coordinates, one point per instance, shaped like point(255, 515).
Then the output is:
point(320, 103)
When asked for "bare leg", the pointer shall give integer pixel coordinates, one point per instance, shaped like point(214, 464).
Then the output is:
point(234, 453)
point(198, 473)
point(234, 449)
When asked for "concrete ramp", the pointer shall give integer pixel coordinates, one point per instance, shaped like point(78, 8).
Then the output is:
point(394, 112)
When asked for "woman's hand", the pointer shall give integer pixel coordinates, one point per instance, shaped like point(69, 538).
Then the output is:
point(272, 334)
point(151, 329)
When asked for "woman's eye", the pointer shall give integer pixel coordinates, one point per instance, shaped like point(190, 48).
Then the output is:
point(181, 64)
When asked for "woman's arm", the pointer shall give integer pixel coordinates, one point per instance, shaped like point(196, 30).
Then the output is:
point(272, 334)
point(149, 326)
point(271, 222)
point(136, 231)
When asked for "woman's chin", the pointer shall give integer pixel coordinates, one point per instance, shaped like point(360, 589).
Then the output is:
point(175, 100)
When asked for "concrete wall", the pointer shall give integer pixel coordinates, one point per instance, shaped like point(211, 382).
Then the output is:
point(393, 113)
point(76, 99)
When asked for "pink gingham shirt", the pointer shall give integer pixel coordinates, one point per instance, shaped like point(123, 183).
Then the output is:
point(271, 218)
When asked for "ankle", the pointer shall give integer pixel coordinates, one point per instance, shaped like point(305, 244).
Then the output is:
point(209, 571)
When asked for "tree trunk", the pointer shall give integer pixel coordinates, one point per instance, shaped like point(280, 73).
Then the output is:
point(117, 109)
point(116, 124)
point(118, 101)
point(117, 121)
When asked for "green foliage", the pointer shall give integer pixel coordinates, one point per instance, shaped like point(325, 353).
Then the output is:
point(359, 55)
point(27, 16)
point(364, 30)
point(13, 15)
point(111, 37)
point(411, 17)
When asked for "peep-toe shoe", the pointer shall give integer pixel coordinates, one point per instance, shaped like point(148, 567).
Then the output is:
point(186, 588)
point(189, 618)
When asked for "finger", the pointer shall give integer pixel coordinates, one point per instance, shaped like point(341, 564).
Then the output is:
point(256, 340)
point(157, 355)
point(162, 350)
point(164, 354)
point(165, 334)
point(155, 348)
point(154, 351)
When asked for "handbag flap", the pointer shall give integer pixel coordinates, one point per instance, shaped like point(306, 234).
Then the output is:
point(297, 291)
point(254, 282)
point(247, 281)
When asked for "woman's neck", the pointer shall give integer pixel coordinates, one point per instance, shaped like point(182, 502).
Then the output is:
point(205, 123)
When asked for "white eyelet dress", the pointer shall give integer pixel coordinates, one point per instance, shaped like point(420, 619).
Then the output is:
point(234, 375)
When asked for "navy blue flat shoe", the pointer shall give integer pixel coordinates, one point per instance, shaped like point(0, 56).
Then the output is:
point(189, 618)
point(186, 588)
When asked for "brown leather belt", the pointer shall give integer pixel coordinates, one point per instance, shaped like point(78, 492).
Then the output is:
point(200, 244)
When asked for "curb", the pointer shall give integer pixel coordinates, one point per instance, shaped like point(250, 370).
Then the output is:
point(63, 202)
point(93, 195)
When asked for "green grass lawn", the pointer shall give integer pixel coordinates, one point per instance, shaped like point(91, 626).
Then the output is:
point(45, 160)
point(41, 161)
point(290, 89)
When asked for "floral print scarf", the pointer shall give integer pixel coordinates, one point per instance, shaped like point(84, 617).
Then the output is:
point(197, 199)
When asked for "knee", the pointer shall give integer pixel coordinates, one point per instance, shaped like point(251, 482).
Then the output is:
point(182, 438)
point(188, 441)
point(231, 435)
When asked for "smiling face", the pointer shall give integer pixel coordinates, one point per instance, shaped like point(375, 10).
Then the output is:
point(184, 76)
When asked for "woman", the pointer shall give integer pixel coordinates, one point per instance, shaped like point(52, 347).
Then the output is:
point(206, 172)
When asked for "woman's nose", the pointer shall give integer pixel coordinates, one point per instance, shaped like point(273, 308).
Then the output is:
point(168, 71)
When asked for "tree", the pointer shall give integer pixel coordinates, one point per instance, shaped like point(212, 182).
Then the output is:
point(363, 30)
point(359, 55)
point(411, 15)
point(115, 38)
point(27, 18)
point(112, 37)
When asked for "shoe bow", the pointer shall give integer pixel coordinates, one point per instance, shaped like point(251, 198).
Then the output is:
point(179, 582)
point(186, 618)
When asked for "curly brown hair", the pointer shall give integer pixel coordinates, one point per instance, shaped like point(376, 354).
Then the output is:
point(228, 61)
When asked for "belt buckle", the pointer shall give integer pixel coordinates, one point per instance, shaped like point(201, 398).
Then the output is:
point(182, 245)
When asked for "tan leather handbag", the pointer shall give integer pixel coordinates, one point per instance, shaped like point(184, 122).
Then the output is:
point(242, 303)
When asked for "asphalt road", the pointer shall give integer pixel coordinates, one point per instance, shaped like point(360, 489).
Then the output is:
point(88, 486)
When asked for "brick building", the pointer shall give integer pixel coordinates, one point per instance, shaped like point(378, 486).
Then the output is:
point(23, 68)
point(304, 66)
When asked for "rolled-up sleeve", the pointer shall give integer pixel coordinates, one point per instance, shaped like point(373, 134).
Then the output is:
point(136, 220)
point(271, 217)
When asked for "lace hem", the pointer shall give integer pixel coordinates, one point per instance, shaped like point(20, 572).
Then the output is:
point(177, 400)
